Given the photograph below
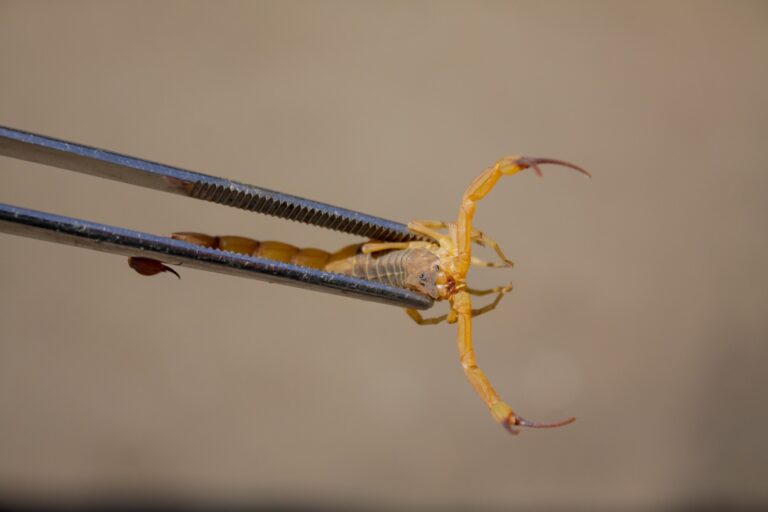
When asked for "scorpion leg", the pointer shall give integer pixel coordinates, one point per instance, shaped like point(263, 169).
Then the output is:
point(416, 317)
point(503, 289)
point(480, 238)
point(499, 290)
point(427, 227)
point(484, 240)
point(488, 307)
point(502, 413)
point(477, 262)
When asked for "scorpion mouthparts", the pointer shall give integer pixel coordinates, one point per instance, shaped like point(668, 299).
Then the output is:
point(532, 424)
point(535, 162)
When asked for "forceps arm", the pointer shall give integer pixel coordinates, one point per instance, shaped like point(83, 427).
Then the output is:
point(86, 234)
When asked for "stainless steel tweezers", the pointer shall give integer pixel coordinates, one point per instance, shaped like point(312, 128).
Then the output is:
point(106, 164)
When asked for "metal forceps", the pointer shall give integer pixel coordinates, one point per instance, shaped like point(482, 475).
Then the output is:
point(107, 164)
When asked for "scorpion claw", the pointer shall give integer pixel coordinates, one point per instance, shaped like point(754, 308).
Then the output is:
point(534, 162)
point(149, 267)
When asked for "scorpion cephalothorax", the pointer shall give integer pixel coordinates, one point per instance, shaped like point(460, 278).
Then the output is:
point(437, 268)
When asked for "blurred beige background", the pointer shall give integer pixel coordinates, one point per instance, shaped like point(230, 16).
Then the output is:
point(640, 295)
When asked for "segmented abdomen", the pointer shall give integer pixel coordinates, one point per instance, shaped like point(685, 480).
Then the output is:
point(392, 267)
point(278, 251)
point(396, 268)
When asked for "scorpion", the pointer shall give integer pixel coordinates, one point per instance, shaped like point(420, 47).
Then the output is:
point(437, 267)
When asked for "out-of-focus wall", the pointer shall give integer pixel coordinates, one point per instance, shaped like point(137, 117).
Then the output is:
point(639, 302)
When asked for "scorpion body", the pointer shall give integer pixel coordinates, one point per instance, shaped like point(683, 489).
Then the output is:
point(437, 268)
point(405, 268)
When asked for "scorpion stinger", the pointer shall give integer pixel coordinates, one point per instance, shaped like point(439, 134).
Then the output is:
point(149, 267)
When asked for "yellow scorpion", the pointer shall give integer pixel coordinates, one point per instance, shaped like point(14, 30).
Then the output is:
point(437, 268)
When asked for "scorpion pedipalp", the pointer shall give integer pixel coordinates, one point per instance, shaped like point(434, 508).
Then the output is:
point(458, 255)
